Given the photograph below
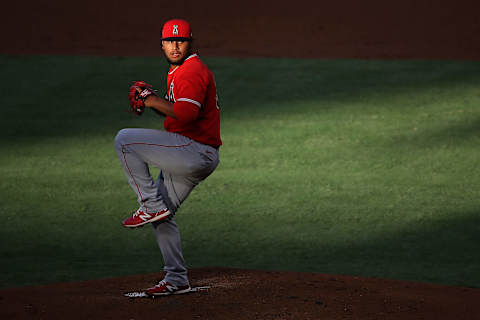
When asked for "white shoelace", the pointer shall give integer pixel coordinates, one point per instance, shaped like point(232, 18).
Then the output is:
point(161, 283)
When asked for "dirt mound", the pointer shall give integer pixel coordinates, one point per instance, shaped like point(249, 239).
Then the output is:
point(244, 294)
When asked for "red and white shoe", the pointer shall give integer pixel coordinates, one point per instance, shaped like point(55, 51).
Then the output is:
point(164, 288)
point(140, 218)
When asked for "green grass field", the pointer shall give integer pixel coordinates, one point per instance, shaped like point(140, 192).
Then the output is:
point(366, 168)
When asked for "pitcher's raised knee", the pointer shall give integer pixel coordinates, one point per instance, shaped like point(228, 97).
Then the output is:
point(121, 138)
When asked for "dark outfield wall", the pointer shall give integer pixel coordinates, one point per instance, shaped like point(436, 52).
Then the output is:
point(300, 28)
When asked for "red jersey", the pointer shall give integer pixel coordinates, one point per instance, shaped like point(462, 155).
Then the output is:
point(192, 90)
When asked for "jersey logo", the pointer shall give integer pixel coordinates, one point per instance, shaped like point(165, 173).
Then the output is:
point(175, 29)
point(171, 96)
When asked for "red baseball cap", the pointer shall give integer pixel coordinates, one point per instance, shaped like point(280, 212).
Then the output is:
point(177, 29)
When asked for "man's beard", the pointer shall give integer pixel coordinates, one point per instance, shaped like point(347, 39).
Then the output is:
point(179, 62)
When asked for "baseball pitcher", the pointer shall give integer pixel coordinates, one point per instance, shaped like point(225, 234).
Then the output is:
point(186, 152)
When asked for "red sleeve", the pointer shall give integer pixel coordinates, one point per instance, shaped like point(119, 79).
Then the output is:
point(190, 87)
point(185, 111)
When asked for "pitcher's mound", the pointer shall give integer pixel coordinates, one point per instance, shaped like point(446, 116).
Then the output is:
point(244, 294)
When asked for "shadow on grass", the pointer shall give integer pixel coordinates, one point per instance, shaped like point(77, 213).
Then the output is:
point(439, 251)
point(453, 134)
point(430, 250)
point(83, 97)
point(63, 96)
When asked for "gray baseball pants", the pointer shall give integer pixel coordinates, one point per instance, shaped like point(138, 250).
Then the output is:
point(184, 163)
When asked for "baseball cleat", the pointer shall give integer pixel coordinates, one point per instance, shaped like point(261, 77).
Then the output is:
point(164, 288)
point(140, 218)
point(143, 294)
